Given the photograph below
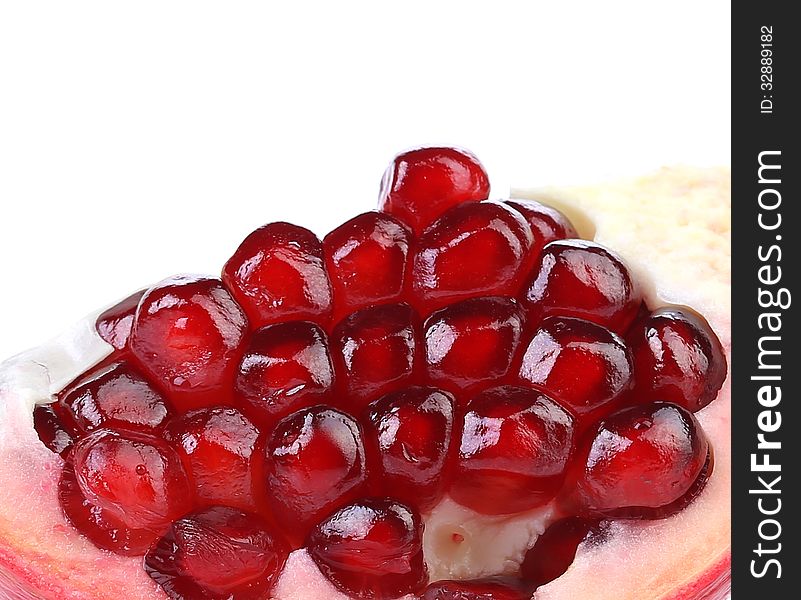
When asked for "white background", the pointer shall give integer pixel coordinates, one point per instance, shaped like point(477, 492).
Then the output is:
point(142, 139)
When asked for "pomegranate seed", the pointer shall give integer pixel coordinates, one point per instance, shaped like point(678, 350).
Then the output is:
point(188, 335)
point(114, 325)
point(577, 278)
point(408, 432)
point(472, 342)
point(677, 358)
point(367, 260)
point(376, 350)
point(476, 249)
point(491, 588)
point(421, 184)
point(547, 224)
point(278, 274)
point(582, 365)
point(101, 526)
point(371, 549)
point(315, 464)
point(641, 461)
point(220, 448)
point(217, 553)
point(137, 478)
point(115, 396)
point(516, 444)
point(555, 550)
point(286, 367)
point(54, 428)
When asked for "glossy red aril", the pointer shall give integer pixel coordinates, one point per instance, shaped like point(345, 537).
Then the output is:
point(217, 553)
point(367, 262)
point(516, 444)
point(475, 249)
point(577, 278)
point(555, 550)
point(114, 325)
point(315, 464)
point(54, 428)
point(103, 528)
point(547, 224)
point(286, 367)
point(115, 396)
point(278, 274)
point(491, 588)
point(188, 336)
point(408, 435)
point(678, 358)
point(220, 447)
point(137, 478)
point(421, 184)
point(371, 549)
point(376, 351)
point(580, 364)
point(473, 342)
point(641, 461)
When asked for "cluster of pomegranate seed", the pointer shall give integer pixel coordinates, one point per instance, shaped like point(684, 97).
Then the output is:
point(328, 394)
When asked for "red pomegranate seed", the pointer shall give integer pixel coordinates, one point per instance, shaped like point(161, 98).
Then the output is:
point(421, 184)
point(555, 550)
point(221, 449)
point(286, 367)
point(137, 478)
point(367, 262)
point(315, 464)
point(114, 325)
point(188, 336)
point(115, 396)
point(580, 364)
point(677, 358)
point(217, 553)
point(476, 249)
point(376, 352)
point(547, 224)
point(371, 549)
point(100, 526)
point(278, 274)
point(577, 278)
point(641, 462)
point(408, 436)
point(473, 342)
point(516, 444)
point(54, 428)
point(490, 588)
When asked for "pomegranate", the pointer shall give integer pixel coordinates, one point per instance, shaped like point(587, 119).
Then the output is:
point(450, 399)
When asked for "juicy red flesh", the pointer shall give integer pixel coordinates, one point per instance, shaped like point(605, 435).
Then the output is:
point(516, 445)
point(419, 185)
point(640, 460)
point(218, 553)
point(582, 365)
point(188, 336)
point(114, 325)
point(315, 464)
point(472, 343)
point(222, 452)
point(278, 274)
point(475, 249)
point(286, 367)
point(678, 359)
point(137, 478)
point(115, 396)
point(376, 351)
point(445, 346)
point(367, 261)
point(491, 588)
point(371, 549)
point(408, 435)
point(577, 278)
